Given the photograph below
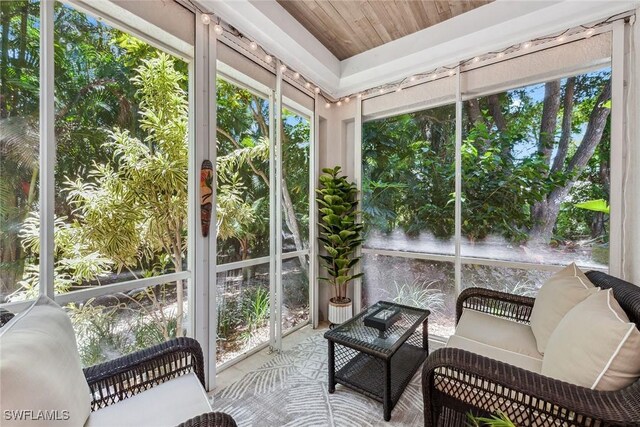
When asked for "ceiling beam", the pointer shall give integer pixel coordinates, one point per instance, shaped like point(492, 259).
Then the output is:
point(489, 28)
point(281, 35)
point(492, 27)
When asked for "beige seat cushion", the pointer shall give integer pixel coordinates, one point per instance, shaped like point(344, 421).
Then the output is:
point(563, 291)
point(498, 332)
point(595, 346)
point(167, 404)
point(512, 358)
point(40, 368)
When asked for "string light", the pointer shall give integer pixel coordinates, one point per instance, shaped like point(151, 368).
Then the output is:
point(587, 32)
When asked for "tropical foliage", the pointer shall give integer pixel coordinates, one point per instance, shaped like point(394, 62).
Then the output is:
point(535, 185)
point(526, 155)
point(121, 126)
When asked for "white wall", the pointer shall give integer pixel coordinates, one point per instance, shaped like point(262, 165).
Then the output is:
point(336, 145)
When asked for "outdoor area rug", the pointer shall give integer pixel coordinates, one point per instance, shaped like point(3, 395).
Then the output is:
point(291, 390)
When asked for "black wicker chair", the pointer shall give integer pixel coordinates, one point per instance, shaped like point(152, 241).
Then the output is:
point(134, 373)
point(457, 382)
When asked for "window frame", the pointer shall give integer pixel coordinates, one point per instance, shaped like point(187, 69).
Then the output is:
point(616, 62)
point(47, 145)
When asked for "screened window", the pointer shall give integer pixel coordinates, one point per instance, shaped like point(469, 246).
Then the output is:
point(535, 180)
point(535, 174)
point(243, 215)
point(296, 149)
point(120, 183)
point(19, 149)
point(408, 183)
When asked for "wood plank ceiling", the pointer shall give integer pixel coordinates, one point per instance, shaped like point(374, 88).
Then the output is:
point(350, 27)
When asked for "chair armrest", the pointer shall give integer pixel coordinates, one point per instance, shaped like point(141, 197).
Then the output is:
point(128, 375)
point(212, 419)
point(485, 386)
point(502, 304)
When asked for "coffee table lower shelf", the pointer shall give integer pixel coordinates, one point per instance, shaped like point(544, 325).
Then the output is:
point(379, 379)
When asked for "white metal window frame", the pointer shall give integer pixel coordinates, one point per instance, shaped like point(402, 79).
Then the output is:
point(277, 101)
point(47, 147)
point(48, 161)
point(457, 98)
point(201, 251)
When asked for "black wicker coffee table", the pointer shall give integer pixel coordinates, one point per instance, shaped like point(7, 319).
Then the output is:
point(378, 365)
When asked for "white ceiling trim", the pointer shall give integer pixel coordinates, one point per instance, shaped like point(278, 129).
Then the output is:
point(270, 25)
point(489, 28)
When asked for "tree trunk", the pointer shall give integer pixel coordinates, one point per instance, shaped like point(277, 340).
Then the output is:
point(495, 109)
point(567, 118)
point(292, 223)
point(550, 109)
point(4, 58)
point(545, 214)
point(22, 52)
point(475, 114)
point(598, 225)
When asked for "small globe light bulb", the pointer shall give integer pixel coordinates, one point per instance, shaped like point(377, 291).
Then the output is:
point(206, 19)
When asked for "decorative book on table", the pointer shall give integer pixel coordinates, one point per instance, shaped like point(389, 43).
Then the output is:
point(382, 319)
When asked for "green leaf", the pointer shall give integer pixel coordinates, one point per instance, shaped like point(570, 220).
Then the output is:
point(598, 205)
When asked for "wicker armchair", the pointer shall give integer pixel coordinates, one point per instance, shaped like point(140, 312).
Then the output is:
point(129, 375)
point(456, 382)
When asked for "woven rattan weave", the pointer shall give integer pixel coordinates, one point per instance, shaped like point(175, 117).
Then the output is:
point(456, 382)
point(378, 366)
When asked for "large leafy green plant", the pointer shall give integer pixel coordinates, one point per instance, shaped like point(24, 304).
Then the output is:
point(340, 231)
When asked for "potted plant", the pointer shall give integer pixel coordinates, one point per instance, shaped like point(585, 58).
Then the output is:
point(340, 236)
